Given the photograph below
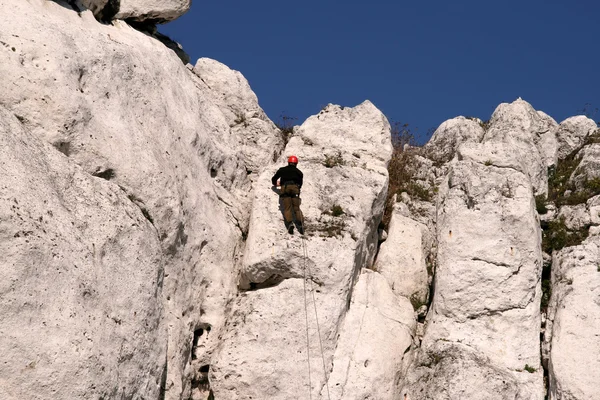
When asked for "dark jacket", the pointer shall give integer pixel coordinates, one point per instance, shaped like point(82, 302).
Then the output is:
point(287, 175)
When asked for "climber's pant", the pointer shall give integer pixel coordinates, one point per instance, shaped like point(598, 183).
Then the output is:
point(291, 203)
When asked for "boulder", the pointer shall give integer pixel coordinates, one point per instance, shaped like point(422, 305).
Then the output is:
point(450, 135)
point(572, 133)
point(587, 174)
point(402, 258)
point(146, 11)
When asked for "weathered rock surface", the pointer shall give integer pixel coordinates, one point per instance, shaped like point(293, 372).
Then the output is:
point(570, 348)
point(133, 268)
point(573, 326)
point(98, 7)
point(81, 280)
point(519, 128)
point(402, 258)
point(375, 342)
point(259, 140)
point(450, 135)
point(343, 154)
point(483, 325)
point(122, 107)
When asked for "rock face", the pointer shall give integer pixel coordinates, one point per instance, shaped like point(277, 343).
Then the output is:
point(572, 132)
point(485, 310)
point(259, 140)
point(402, 258)
point(570, 347)
point(100, 8)
point(120, 109)
point(374, 346)
point(144, 253)
point(481, 332)
point(574, 322)
point(82, 279)
point(343, 154)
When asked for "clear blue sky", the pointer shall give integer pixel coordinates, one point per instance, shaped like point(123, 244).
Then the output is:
point(420, 62)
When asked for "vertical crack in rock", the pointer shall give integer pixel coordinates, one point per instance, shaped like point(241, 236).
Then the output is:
point(163, 383)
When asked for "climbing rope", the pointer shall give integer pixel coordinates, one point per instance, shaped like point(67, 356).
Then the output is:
point(312, 290)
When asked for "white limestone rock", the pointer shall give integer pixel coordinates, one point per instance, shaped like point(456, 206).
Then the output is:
point(572, 336)
point(519, 127)
point(260, 141)
point(546, 139)
point(450, 135)
point(451, 370)
point(81, 277)
point(120, 105)
point(483, 326)
point(402, 258)
point(152, 10)
point(337, 247)
point(357, 144)
point(589, 166)
point(375, 342)
point(572, 133)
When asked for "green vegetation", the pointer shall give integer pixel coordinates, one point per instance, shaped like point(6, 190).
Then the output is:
point(540, 204)
point(529, 369)
point(546, 288)
point(285, 123)
point(337, 210)
point(417, 302)
point(556, 235)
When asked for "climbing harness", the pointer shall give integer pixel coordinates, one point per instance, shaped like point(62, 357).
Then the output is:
point(312, 291)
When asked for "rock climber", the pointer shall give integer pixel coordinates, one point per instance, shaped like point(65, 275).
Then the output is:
point(290, 178)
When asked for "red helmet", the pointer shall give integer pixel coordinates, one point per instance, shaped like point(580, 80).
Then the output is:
point(293, 160)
